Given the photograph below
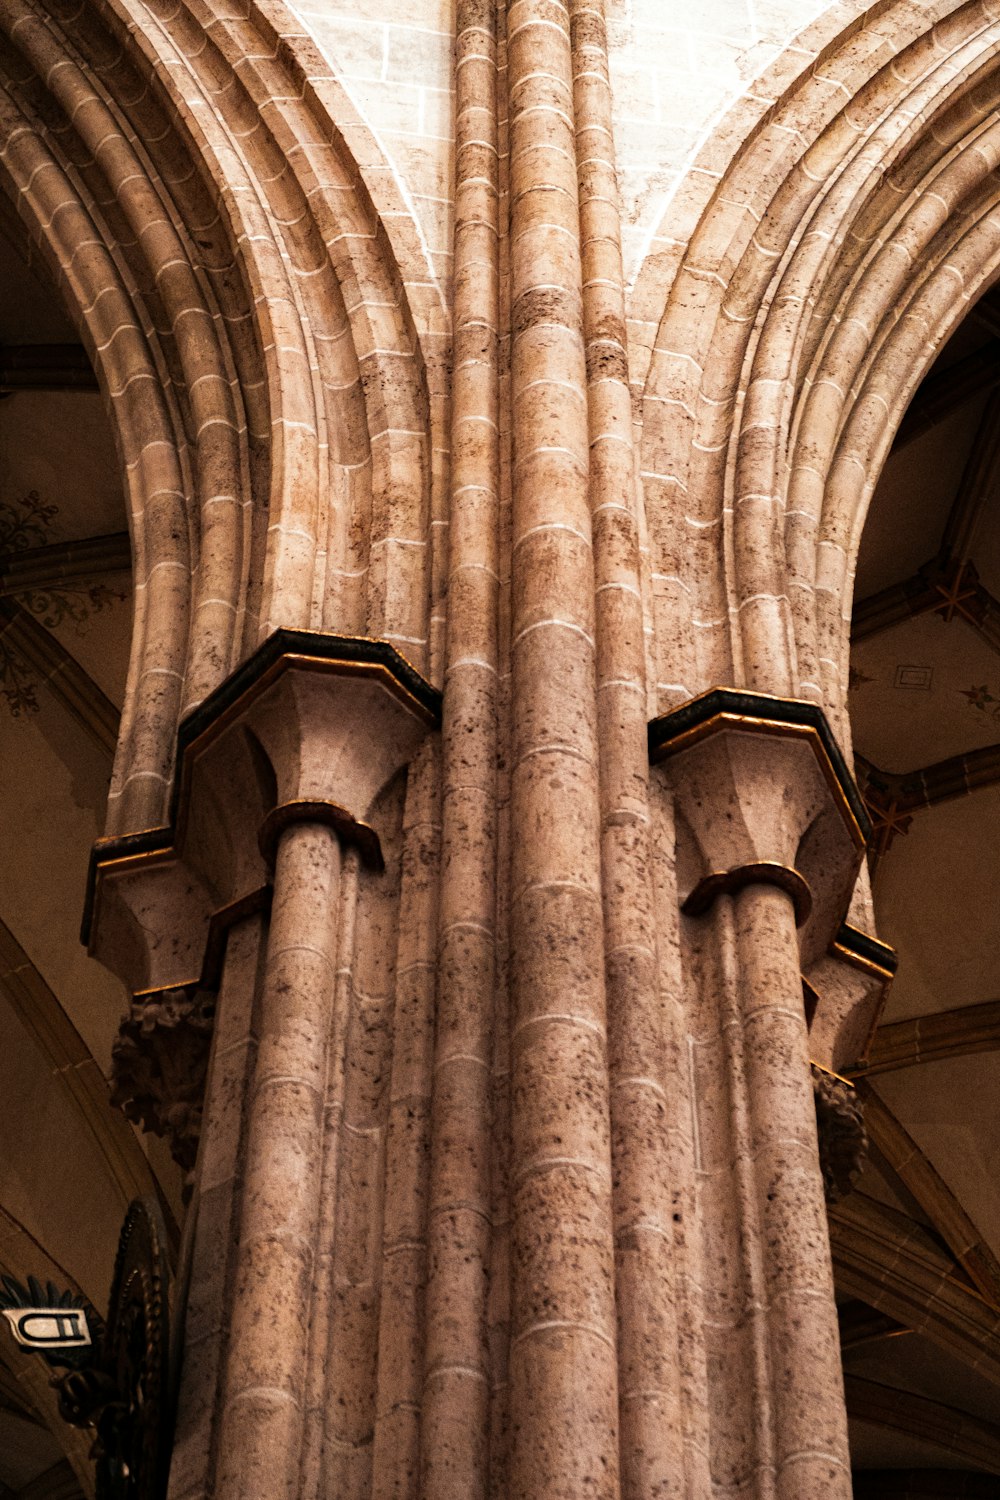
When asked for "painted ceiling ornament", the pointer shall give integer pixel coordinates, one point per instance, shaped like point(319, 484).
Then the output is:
point(112, 1377)
point(17, 681)
point(25, 527)
point(982, 700)
point(957, 588)
point(26, 523)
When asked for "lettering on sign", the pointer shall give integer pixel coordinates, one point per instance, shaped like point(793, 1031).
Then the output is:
point(48, 1327)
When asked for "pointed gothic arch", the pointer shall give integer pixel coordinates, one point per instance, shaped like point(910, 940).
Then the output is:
point(831, 257)
point(239, 297)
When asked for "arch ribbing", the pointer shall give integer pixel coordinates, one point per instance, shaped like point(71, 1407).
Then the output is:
point(830, 259)
point(218, 248)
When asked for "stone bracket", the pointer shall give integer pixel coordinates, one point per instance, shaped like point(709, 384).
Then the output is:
point(852, 981)
point(840, 1126)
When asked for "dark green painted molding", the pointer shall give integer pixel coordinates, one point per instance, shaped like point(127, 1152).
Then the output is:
point(866, 947)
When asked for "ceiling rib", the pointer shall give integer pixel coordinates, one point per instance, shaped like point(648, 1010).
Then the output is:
point(931, 1193)
point(884, 1258)
point(944, 392)
point(71, 1062)
point(61, 673)
point(967, 1437)
point(861, 1326)
point(948, 1033)
point(63, 562)
point(941, 586)
point(892, 798)
point(977, 486)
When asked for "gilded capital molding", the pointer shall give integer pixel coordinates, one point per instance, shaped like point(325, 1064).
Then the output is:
point(763, 795)
point(311, 719)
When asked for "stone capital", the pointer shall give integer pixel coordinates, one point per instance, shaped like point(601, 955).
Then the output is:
point(765, 795)
point(311, 726)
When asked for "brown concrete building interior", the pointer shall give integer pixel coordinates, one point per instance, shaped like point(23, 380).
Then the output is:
point(922, 1227)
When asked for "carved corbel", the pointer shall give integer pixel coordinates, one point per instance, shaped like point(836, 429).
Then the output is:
point(843, 1139)
point(159, 1062)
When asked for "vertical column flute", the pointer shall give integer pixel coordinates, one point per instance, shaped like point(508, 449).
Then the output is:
point(455, 1441)
point(563, 1358)
point(653, 1188)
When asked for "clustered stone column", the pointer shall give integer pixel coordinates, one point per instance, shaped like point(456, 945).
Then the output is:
point(277, 775)
point(647, 1176)
point(456, 1420)
point(563, 1356)
point(657, 1316)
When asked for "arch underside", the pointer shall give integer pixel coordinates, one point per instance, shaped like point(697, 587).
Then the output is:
point(844, 242)
point(235, 289)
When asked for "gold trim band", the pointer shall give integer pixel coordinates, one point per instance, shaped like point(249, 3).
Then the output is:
point(761, 872)
point(347, 827)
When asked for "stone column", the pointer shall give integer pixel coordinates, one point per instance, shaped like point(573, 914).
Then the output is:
point(282, 766)
point(260, 1428)
point(770, 837)
point(563, 1355)
point(653, 1180)
point(455, 1438)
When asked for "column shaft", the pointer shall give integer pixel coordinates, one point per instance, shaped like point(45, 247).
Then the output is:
point(261, 1425)
point(805, 1384)
point(778, 1426)
point(563, 1362)
point(455, 1440)
point(652, 1185)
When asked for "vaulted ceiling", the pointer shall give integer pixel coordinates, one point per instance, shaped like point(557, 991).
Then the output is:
point(917, 1245)
point(71, 1162)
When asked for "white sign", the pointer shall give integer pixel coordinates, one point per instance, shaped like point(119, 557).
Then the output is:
point(48, 1327)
